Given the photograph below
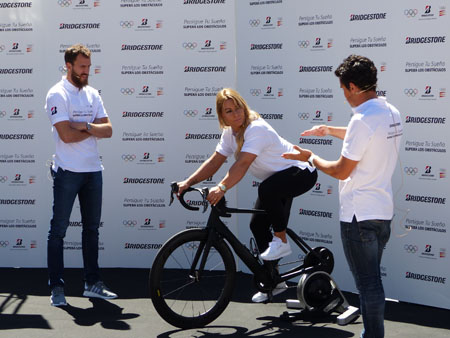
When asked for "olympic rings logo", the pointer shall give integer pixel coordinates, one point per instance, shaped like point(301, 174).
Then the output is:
point(254, 22)
point(64, 3)
point(190, 113)
point(303, 116)
point(3, 179)
point(4, 244)
point(255, 92)
point(189, 45)
point(126, 24)
point(129, 223)
point(2, 113)
point(128, 157)
point(303, 44)
point(410, 170)
point(410, 92)
point(410, 248)
point(2, 48)
point(410, 13)
point(127, 91)
point(191, 245)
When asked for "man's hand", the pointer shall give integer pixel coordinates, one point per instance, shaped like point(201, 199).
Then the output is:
point(81, 126)
point(321, 130)
point(300, 155)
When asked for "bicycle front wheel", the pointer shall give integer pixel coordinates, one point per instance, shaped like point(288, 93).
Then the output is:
point(189, 298)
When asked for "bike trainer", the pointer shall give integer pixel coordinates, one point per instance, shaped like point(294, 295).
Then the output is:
point(318, 294)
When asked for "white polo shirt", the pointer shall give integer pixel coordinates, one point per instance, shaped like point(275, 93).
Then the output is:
point(262, 140)
point(372, 138)
point(65, 102)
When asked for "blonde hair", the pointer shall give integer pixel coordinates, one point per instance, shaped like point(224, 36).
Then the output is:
point(250, 115)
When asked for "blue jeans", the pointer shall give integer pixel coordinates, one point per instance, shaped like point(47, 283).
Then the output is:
point(363, 247)
point(66, 186)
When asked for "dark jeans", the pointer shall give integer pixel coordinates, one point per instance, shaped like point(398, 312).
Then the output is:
point(275, 195)
point(363, 247)
point(66, 186)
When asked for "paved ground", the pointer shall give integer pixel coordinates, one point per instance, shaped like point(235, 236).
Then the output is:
point(25, 311)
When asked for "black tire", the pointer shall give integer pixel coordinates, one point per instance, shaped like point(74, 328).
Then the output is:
point(180, 299)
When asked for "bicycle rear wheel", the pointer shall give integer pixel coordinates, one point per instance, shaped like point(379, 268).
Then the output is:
point(190, 300)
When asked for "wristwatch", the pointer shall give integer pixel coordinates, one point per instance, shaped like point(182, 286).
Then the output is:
point(311, 159)
point(88, 126)
point(222, 187)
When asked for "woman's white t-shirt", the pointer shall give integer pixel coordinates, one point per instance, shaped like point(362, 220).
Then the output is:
point(263, 141)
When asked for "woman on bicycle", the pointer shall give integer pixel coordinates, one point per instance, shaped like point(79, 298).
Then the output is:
point(256, 147)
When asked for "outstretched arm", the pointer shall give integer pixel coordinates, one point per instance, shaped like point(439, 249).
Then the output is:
point(323, 130)
point(233, 176)
point(340, 169)
point(207, 169)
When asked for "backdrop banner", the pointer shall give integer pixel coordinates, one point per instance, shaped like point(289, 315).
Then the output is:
point(158, 65)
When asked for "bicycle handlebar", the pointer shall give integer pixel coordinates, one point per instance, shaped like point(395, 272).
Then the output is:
point(203, 192)
point(221, 207)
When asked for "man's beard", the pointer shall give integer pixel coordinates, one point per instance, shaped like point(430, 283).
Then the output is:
point(76, 79)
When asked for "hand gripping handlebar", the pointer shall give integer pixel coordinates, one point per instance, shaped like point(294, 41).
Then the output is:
point(203, 192)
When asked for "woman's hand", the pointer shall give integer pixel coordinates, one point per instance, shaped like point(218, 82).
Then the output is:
point(182, 186)
point(300, 154)
point(215, 195)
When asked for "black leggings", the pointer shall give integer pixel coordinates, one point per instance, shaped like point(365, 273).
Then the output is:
point(275, 195)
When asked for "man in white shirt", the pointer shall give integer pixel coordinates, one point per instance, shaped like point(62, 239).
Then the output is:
point(78, 118)
point(364, 169)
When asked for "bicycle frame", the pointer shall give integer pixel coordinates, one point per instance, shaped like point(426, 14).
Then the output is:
point(265, 274)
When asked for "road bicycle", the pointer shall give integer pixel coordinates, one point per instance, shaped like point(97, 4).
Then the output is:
point(193, 274)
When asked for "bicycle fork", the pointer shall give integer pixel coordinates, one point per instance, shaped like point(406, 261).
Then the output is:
point(202, 255)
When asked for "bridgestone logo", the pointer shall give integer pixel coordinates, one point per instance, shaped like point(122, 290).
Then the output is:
point(195, 203)
point(425, 278)
point(16, 70)
point(361, 17)
point(143, 114)
point(315, 69)
point(425, 39)
point(15, 4)
point(316, 213)
point(142, 246)
point(434, 120)
point(79, 25)
point(142, 47)
point(127, 180)
point(320, 141)
point(203, 2)
point(272, 116)
point(202, 136)
point(263, 46)
point(16, 136)
point(209, 69)
point(17, 202)
point(425, 199)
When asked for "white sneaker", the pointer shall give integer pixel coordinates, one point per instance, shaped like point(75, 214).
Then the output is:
point(277, 249)
point(260, 297)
